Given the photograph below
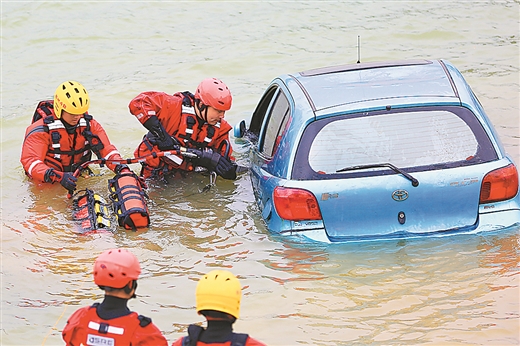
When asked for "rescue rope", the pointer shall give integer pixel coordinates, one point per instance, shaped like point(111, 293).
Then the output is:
point(187, 152)
point(182, 151)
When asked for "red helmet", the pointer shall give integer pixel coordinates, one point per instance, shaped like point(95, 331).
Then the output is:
point(213, 92)
point(116, 268)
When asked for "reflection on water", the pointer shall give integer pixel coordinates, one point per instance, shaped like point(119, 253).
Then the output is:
point(441, 290)
point(406, 291)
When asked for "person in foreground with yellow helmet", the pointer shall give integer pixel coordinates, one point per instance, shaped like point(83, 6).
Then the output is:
point(62, 136)
point(112, 323)
point(218, 296)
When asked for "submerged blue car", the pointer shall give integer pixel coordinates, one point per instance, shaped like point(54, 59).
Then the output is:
point(373, 151)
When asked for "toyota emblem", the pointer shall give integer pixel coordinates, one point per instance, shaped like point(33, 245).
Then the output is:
point(399, 195)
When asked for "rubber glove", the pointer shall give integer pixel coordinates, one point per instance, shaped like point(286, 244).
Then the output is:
point(159, 136)
point(66, 179)
point(122, 168)
point(226, 168)
point(218, 163)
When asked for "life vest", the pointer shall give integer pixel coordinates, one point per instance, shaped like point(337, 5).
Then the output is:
point(59, 138)
point(191, 132)
point(117, 331)
point(128, 200)
point(237, 339)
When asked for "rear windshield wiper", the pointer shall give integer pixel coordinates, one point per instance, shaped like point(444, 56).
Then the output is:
point(414, 181)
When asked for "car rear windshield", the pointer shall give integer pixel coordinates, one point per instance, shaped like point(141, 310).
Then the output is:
point(416, 140)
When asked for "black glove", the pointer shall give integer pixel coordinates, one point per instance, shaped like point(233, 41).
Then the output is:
point(122, 168)
point(166, 144)
point(66, 179)
point(218, 163)
point(226, 168)
point(159, 136)
point(207, 158)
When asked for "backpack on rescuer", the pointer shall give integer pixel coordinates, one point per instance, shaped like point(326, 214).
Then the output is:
point(43, 110)
point(129, 202)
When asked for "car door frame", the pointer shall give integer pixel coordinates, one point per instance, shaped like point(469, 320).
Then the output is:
point(266, 174)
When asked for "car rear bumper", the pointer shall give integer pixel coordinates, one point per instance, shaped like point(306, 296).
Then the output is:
point(492, 221)
point(488, 221)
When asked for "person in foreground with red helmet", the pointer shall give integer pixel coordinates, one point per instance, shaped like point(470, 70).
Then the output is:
point(63, 136)
point(193, 121)
point(218, 296)
point(112, 323)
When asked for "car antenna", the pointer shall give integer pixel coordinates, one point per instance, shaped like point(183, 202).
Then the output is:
point(358, 51)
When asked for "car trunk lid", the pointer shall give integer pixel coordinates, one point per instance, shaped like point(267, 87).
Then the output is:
point(381, 206)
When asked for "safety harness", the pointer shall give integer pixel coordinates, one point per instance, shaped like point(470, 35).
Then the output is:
point(186, 134)
point(44, 110)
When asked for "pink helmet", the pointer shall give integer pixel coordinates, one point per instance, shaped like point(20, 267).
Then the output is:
point(116, 268)
point(213, 92)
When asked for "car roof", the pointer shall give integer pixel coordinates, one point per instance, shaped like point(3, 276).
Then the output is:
point(376, 84)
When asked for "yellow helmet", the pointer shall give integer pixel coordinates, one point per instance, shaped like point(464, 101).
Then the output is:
point(219, 290)
point(71, 97)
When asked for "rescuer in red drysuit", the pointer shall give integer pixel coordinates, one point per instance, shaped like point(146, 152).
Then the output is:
point(62, 136)
point(112, 323)
point(189, 121)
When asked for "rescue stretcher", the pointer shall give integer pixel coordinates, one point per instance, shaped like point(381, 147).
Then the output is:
point(127, 205)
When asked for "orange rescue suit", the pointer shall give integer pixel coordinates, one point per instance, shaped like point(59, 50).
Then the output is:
point(180, 122)
point(85, 327)
point(49, 144)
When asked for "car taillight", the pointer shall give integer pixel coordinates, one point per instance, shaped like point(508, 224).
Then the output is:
point(296, 204)
point(499, 185)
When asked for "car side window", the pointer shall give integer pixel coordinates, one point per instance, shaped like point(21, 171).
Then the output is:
point(279, 115)
point(261, 110)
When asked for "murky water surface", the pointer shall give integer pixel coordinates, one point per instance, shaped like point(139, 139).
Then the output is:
point(457, 291)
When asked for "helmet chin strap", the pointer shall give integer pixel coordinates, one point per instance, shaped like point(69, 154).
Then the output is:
point(203, 110)
point(131, 286)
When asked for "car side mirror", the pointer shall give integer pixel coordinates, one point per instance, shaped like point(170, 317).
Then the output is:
point(240, 129)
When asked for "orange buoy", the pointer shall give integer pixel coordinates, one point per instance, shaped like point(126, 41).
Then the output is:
point(129, 202)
